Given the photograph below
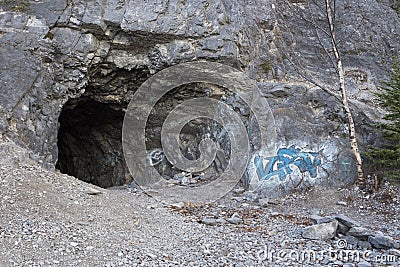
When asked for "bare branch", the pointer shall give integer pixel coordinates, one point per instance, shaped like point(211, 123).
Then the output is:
point(300, 14)
point(320, 42)
point(307, 78)
point(334, 56)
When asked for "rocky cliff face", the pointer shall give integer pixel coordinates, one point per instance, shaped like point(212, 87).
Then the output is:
point(70, 68)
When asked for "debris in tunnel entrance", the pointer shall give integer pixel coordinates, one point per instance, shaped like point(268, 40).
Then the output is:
point(207, 118)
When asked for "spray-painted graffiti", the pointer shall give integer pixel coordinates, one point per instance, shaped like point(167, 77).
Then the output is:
point(156, 157)
point(280, 165)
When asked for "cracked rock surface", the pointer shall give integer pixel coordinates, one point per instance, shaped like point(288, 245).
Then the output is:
point(58, 55)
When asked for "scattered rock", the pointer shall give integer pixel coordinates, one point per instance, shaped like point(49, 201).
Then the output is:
point(209, 221)
point(274, 201)
point(364, 245)
point(74, 244)
point(275, 214)
point(342, 229)
point(239, 190)
point(381, 241)
point(347, 221)
point(207, 252)
point(351, 240)
point(207, 249)
point(361, 233)
point(188, 179)
point(397, 245)
point(179, 205)
point(235, 219)
point(221, 221)
point(316, 219)
point(364, 264)
point(265, 202)
point(315, 212)
point(73, 234)
point(250, 196)
point(320, 231)
point(92, 191)
point(151, 255)
point(212, 221)
point(337, 263)
point(238, 199)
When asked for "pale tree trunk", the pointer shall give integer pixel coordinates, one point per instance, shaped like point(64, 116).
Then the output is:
point(353, 140)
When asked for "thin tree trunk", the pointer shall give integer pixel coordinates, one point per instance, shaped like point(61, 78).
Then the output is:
point(353, 140)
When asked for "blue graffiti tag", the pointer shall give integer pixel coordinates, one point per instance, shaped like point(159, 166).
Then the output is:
point(280, 164)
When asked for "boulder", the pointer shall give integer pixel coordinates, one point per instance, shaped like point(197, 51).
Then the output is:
point(209, 221)
point(342, 229)
point(361, 233)
point(364, 245)
point(320, 231)
point(347, 221)
point(316, 219)
point(381, 241)
point(351, 240)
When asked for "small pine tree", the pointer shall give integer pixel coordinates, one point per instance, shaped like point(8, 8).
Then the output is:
point(385, 160)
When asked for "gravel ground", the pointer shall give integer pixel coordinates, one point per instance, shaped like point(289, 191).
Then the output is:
point(52, 219)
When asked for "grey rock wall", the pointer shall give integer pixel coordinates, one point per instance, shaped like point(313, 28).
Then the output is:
point(58, 54)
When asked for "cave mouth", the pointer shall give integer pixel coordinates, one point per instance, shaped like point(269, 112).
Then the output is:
point(90, 143)
point(90, 137)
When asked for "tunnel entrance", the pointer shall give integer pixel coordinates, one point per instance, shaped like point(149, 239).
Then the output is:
point(89, 143)
point(90, 136)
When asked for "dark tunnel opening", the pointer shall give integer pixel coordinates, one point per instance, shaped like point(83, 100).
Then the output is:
point(90, 143)
point(90, 138)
